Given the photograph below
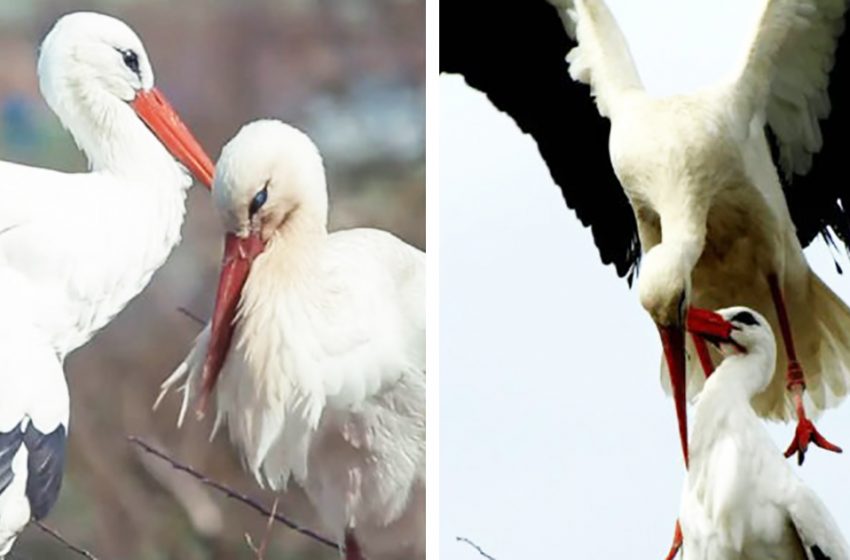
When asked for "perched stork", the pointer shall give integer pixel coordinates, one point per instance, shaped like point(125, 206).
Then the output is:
point(75, 248)
point(714, 193)
point(777, 516)
point(324, 378)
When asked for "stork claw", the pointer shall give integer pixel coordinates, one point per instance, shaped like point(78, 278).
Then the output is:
point(806, 433)
point(677, 542)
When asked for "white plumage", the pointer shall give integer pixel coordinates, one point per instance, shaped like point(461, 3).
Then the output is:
point(741, 500)
point(324, 380)
point(712, 218)
point(33, 418)
point(75, 248)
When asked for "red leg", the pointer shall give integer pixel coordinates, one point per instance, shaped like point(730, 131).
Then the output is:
point(677, 542)
point(806, 431)
point(352, 548)
point(703, 354)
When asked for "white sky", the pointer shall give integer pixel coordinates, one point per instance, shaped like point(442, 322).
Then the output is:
point(556, 440)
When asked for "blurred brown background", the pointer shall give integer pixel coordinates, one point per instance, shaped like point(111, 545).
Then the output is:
point(348, 72)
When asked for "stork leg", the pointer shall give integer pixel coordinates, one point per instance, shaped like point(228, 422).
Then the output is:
point(352, 548)
point(703, 354)
point(677, 542)
point(796, 383)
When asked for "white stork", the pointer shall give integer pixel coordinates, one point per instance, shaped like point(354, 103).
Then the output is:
point(324, 379)
point(740, 498)
point(714, 193)
point(75, 248)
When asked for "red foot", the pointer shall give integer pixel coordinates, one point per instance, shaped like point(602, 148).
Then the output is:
point(677, 542)
point(806, 433)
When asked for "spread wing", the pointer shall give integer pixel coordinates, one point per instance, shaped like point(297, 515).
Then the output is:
point(797, 75)
point(516, 53)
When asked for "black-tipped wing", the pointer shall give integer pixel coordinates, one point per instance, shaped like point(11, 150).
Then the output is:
point(10, 442)
point(819, 535)
point(45, 464)
point(515, 53)
point(809, 124)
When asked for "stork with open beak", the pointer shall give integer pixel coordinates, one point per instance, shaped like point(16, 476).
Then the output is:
point(316, 350)
point(714, 193)
point(777, 515)
point(75, 248)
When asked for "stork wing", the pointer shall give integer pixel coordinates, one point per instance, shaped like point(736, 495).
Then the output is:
point(798, 75)
point(820, 536)
point(33, 413)
point(515, 52)
point(66, 234)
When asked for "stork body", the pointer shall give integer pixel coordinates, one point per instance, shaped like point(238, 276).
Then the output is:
point(741, 500)
point(324, 378)
point(713, 193)
point(75, 248)
point(726, 229)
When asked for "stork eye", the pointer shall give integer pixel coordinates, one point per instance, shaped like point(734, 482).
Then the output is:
point(744, 317)
point(258, 200)
point(131, 60)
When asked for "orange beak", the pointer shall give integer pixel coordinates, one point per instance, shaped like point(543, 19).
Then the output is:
point(162, 119)
point(673, 341)
point(239, 253)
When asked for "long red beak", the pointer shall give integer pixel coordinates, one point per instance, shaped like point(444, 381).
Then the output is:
point(673, 341)
point(162, 119)
point(239, 253)
point(709, 325)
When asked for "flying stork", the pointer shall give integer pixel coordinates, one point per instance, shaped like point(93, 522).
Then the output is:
point(75, 248)
point(712, 195)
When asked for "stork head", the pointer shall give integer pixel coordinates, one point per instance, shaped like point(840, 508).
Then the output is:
point(664, 288)
point(269, 184)
point(664, 285)
point(735, 331)
point(93, 67)
point(269, 174)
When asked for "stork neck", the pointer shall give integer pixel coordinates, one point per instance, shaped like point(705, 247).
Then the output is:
point(741, 375)
point(684, 233)
point(724, 404)
point(298, 236)
point(115, 140)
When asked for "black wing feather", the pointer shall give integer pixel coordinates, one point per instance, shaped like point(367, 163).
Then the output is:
point(515, 53)
point(10, 442)
point(819, 201)
point(817, 554)
point(45, 464)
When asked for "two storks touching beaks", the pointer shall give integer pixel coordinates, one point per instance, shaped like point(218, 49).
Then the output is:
point(707, 199)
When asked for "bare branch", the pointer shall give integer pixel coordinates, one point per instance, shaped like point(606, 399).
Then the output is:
point(185, 311)
point(230, 493)
point(261, 554)
point(260, 551)
point(475, 546)
point(56, 535)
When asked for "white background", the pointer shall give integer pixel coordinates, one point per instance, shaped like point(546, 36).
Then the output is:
point(556, 440)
